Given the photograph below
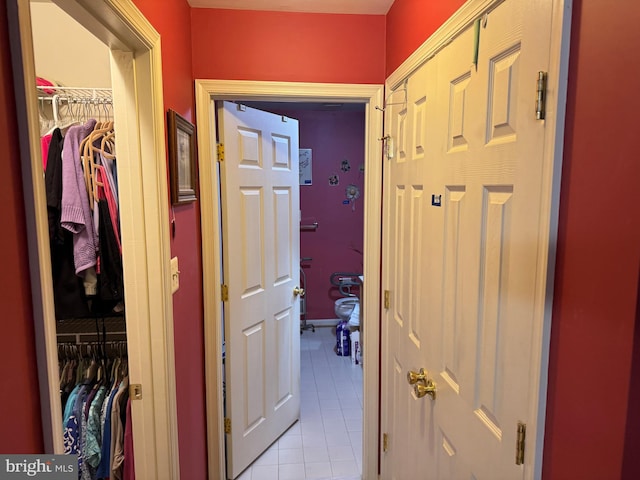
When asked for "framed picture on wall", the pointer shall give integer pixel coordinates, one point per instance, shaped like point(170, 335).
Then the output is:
point(305, 166)
point(182, 159)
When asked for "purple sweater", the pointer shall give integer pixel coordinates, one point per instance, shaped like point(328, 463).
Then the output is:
point(76, 212)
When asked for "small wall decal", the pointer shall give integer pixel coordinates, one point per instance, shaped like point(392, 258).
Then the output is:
point(334, 180)
point(345, 166)
point(352, 192)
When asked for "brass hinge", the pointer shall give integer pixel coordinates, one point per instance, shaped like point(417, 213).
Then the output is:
point(387, 299)
point(385, 442)
point(224, 292)
point(227, 425)
point(220, 152)
point(541, 93)
point(520, 437)
point(135, 391)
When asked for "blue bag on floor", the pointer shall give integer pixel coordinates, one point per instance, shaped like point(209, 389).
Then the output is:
point(343, 340)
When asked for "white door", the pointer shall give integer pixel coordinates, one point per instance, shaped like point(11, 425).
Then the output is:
point(261, 261)
point(464, 255)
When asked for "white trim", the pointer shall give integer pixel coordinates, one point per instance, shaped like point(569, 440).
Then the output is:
point(372, 95)
point(558, 29)
point(323, 322)
point(140, 118)
point(19, 20)
point(560, 34)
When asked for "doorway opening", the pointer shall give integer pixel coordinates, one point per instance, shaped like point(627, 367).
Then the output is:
point(327, 439)
point(207, 92)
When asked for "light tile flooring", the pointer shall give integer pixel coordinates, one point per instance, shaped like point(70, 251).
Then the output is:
point(327, 441)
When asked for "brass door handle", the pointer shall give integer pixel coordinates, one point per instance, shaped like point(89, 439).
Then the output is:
point(298, 291)
point(425, 388)
point(415, 377)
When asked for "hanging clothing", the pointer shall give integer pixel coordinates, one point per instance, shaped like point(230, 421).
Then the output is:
point(129, 472)
point(104, 467)
point(110, 280)
point(117, 430)
point(84, 225)
point(86, 257)
point(76, 213)
point(53, 184)
point(45, 140)
point(68, 291)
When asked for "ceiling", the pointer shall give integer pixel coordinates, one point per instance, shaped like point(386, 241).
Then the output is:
point(360, 7)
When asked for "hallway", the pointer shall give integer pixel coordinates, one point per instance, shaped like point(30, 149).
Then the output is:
point(327, 441)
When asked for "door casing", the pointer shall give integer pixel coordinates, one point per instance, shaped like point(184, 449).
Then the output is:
point(136, 64)
point(207, 92)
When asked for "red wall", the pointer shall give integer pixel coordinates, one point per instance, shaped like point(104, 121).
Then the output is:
point(21, 430)
point(410, 23)
point(284, 46)
point(595, 301)
point(336, 246)
point(173, 22)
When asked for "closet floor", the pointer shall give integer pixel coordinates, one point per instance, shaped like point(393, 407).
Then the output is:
point(327, 441)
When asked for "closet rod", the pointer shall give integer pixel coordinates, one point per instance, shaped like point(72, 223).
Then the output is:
point(106, 342)
point(81, 338)
point(74, 96)
point(79, 92)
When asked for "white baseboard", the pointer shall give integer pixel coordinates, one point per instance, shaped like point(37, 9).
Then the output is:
point(323, 322)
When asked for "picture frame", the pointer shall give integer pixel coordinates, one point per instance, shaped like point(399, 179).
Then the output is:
point(182, 159)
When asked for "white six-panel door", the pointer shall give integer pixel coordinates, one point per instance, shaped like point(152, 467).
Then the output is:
point(463, 253)
point(261, 250)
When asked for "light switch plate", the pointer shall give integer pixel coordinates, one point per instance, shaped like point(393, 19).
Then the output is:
point(175, 275)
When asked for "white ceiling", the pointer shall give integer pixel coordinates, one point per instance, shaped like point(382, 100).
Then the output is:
point(362, 7)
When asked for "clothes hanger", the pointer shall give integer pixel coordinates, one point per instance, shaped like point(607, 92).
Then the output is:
point(107, 146)
point(47, 121)
point(87, 148)
point(71, 112)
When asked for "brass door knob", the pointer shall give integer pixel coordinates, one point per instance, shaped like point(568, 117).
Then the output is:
point(415, 377)
point(298, 291)
point(425, 388)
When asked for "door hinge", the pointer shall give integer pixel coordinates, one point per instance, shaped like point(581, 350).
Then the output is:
point(135, 391)
point(541, 93)
point(387, 299)
point(227, 425)
point(520, 437)
point(224, 292)
point(385, 442)
point(220, 148)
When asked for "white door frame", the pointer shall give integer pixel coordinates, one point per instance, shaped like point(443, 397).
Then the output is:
point(136, 66)
point(207, 91)
point(559, 30)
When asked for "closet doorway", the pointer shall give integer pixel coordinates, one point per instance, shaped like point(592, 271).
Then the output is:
point(207, 92)
point(133, 47)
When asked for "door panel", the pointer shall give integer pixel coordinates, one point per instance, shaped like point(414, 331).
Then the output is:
point(462, 254)
point(261, 250)
point(408, 239)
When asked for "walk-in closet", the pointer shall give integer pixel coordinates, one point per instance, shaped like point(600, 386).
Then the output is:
point(97, 201)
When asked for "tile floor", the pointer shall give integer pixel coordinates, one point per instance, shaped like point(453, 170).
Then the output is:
point(327, 441)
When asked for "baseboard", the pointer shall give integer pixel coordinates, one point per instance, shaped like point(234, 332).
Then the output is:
point(323, 322)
